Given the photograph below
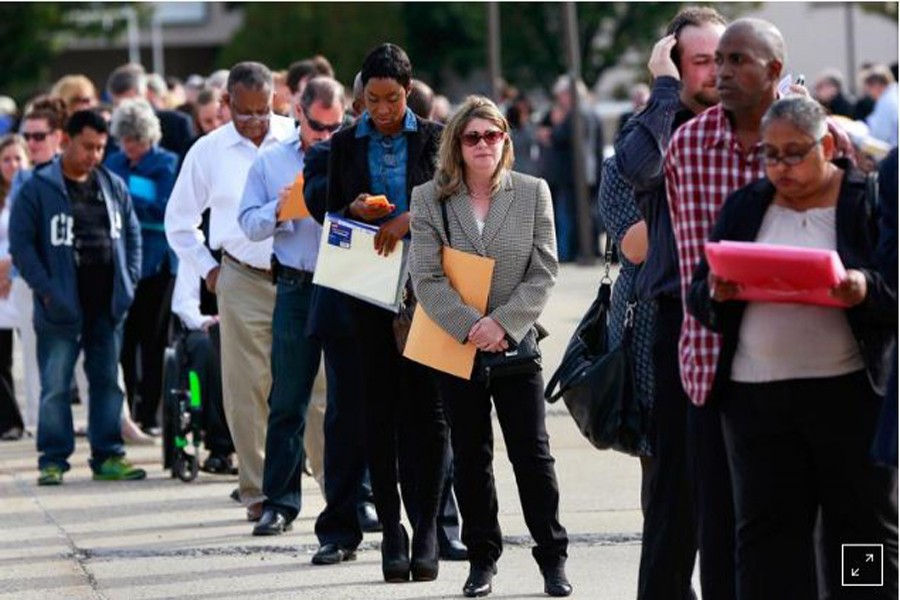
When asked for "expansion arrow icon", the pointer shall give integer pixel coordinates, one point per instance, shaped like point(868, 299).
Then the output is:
point(854, 572)
point(870, 558)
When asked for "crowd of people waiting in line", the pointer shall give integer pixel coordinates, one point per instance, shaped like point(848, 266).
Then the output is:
point(763, 416)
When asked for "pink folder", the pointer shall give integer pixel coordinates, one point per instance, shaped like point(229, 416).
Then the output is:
point(774, 273)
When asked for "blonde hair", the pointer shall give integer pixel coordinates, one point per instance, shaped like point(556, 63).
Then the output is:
point(71, 86)
point(450, 174)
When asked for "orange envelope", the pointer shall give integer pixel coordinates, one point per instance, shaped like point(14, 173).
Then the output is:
point(295, 206)
point(470, 275)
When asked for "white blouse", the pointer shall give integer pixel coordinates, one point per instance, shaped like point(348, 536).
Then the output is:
point(795, 341)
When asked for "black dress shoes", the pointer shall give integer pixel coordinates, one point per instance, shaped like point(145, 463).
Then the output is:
point(395, 554)
point(479, 582)
point(332, 554)
point(368, 517)
point(453, 550)
point(272, 522)
point(556, 583)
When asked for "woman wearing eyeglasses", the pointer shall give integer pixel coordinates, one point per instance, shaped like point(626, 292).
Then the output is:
point(493, 212)
point(800, 385)
point(388, 152)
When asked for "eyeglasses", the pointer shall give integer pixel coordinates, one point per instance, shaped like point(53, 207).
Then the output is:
point(247, 117)
point(473, 138)
point(788, 159)
point(319, 126)
point(38, 136)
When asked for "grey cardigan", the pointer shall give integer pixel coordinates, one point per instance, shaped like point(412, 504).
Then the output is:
point(518, 235)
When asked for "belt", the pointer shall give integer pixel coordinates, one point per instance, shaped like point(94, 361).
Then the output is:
point(280, 270)
point(266, 272)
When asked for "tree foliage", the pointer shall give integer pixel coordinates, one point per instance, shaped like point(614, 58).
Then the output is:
point(32, 33)
point(450, 37)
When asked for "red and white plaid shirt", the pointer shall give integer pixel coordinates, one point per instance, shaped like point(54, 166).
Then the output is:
point(704, 163)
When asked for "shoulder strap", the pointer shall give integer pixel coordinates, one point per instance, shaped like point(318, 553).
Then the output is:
point(443, 204)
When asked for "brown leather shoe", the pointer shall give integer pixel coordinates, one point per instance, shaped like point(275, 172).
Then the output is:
point(254, 512)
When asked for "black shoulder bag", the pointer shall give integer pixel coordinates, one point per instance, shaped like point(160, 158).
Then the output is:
point(597, 382)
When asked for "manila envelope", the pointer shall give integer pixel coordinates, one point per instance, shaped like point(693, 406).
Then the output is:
point(295, 206)
point(428, 343)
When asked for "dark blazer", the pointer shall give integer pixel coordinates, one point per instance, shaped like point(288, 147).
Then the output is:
point(345, 160)
point(873, 322)
point(348, 166)
point(177, 131)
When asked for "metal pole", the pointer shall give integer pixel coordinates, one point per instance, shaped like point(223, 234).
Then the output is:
point(156, 39)
point(134, 48)
point(851, 46)
point(493, 14)
point(582, 209)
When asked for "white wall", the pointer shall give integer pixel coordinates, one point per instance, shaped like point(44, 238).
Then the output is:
point(815, 33)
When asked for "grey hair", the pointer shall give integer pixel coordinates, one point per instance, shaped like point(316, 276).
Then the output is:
point(127, 78)
point(804, 113)
point(252, 75)
point(322, 89)
point(157, 84)
point(136, 119)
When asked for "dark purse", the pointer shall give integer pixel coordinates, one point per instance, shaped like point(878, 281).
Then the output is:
point(403, 320)
point(597, 382)
point(518, 359)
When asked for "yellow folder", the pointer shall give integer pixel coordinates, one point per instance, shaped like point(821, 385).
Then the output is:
point(428, 343)
point(295, 206)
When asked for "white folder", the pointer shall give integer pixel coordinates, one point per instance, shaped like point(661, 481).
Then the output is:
point(349, 263)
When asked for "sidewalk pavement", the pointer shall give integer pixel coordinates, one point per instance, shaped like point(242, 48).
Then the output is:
point(162, 538)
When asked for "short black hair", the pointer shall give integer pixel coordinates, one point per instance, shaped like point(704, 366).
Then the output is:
point(86, 118)
point(387, 61)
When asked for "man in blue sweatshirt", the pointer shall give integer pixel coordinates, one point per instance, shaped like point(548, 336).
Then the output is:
point(74, 237)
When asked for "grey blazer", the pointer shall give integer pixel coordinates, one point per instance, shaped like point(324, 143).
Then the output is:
point(518, 235)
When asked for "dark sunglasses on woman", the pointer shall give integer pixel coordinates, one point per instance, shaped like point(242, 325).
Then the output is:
point(473, 138)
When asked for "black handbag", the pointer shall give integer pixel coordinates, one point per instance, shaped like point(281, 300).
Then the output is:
point(597, 382)
point(518, 359)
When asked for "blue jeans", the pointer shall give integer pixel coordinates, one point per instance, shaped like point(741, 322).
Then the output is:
point(295, 362)
point(101, 340)
point(565, 218)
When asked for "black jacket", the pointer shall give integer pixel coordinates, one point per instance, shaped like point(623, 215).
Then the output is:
point(348, 165)
point(873, 322)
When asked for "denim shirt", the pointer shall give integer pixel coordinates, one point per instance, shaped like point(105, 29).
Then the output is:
point(387, 158)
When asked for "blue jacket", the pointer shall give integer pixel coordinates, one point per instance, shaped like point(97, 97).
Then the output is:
point(40, 242)
point(150, 184)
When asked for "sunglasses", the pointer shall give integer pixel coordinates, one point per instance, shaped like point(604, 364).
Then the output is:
point(473, 138)
point(788, 159)
point(320, 127)
point(38, 136)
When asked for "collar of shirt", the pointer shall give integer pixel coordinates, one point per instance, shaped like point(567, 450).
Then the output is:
point(233, 138)
point(723, 134)
point(367, 128)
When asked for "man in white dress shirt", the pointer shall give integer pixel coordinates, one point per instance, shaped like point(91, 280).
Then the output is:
point(213, 176)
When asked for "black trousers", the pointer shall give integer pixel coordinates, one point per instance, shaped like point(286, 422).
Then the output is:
point(669, 539)
point(401, 399)
point(798, 447)
point(345, 456)
point(10, 416)
point(202, 351)
point(519, 401)
point(144, 345)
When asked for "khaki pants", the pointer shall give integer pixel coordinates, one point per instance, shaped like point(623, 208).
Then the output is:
point(246, 303)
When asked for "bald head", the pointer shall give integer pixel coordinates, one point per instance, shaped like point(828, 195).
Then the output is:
point(766, 37)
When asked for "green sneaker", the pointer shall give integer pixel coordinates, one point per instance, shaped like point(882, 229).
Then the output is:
point(118, 469)
point(51, 475)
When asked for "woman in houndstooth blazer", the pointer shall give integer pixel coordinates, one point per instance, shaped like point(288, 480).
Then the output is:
point(506, 216)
